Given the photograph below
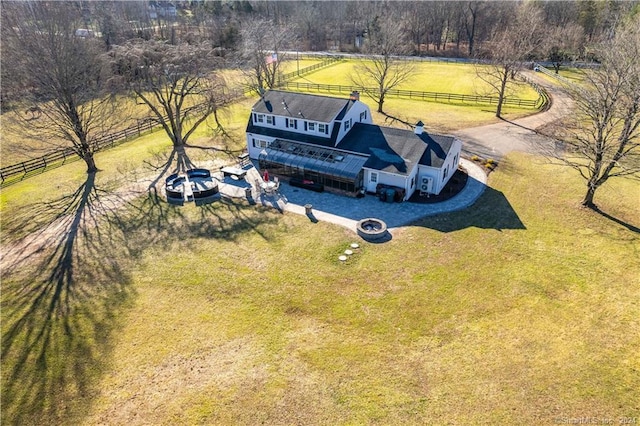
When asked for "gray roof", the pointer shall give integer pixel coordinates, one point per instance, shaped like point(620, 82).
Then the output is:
point(396, 150)
point(322, 160)
point(323, 109)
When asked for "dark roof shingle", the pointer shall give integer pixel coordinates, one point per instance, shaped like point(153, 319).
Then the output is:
point(323, 109)
point(396, 150)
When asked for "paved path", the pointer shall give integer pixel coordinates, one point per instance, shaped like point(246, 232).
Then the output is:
point(491, 141)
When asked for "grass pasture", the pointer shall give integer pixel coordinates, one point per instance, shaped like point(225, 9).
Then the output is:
point(520, 310)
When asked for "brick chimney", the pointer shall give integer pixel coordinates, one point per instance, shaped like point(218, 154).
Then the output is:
point(419, 128)
point(355, 96)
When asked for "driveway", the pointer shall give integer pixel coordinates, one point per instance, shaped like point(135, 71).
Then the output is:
point(497, 140)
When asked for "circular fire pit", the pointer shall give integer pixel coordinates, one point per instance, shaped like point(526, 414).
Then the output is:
point(372, 229)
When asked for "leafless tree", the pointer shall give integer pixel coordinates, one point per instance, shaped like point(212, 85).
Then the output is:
point(382, 66)
point(564, 44)
point(518, 38)
point(178, 83)
point(57, 75)
point(603, 140)
point(263, 42)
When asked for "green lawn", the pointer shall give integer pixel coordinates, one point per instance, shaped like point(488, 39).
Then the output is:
point(428, 77)
point(519, 310)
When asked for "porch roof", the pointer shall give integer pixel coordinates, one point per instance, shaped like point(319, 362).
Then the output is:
point(317, 159)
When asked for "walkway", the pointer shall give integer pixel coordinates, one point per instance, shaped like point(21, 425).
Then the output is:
point(347, 211)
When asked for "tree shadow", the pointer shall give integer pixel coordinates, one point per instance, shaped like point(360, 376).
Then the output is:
point(491, 211)
point(64, 290)
point(627, 225)
point(67, 283)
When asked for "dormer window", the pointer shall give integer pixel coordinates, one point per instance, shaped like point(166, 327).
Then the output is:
point(259, 118)
point(311, 127)
point(323, 128)
point(292, 123)
point(271, 120)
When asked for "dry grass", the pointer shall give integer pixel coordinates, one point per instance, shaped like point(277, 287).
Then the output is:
point(519, 310)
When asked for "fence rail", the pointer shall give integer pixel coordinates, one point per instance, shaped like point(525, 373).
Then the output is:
point(64, 155)
point(413, 94)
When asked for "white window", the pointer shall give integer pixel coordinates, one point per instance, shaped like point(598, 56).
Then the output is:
point(363, 115)
point(271, 120)
point(312, 127)
point(259, 143)
point(374, 177)
point(322, 128)
point(346, 125)
point(260, 118)
point(292, 122)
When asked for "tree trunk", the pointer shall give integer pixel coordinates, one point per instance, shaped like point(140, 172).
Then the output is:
point(90, 162)
point(587, 201)
point(503, 85)
point(380, 103)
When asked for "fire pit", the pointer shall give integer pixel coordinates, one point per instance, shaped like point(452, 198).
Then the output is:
point(372, 229)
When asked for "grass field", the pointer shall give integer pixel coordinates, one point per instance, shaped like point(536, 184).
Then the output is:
point(18, 145)
point(428, 77)
point(519, 310)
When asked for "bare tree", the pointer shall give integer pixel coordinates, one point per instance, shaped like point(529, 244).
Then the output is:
point(382, 66)
point(512, 45)
point(263, 42)
point(177, 82)
point(564, 44)
point(603, 141)
point(58, 76)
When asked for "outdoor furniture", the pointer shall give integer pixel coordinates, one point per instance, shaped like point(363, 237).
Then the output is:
point(236, 172)
point(269, 187)
point(243, 159)
point(301, 183)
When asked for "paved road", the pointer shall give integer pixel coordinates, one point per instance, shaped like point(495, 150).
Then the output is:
point(497, 140)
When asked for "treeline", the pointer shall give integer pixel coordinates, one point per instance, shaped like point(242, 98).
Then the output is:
point(452, 28)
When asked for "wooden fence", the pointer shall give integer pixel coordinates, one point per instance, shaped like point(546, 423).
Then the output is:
point(65, 155)
point(413, 94)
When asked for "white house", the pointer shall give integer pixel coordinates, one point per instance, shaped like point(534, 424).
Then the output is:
point(331, 143)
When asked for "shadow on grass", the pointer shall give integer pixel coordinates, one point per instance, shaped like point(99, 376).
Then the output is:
point(621, 222)
point(67, 285)
point(491, 211)
point(64, 289)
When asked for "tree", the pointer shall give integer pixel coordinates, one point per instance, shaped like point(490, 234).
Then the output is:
point(262, 44)
point(564, 44)
point(603, 141)
point(520, 36)
point(382, 66)
point(57, 75)
point(177, 82)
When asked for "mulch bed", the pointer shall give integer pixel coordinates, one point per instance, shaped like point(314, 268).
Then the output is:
point(450, 190)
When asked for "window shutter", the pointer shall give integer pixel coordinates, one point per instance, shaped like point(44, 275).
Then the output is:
point(305, 126)
point(295, 124)
point(286, 122)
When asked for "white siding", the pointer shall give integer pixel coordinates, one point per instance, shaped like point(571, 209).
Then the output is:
point(358, 110)
point(253, 148)
point(450, 164)
point(399, 181)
